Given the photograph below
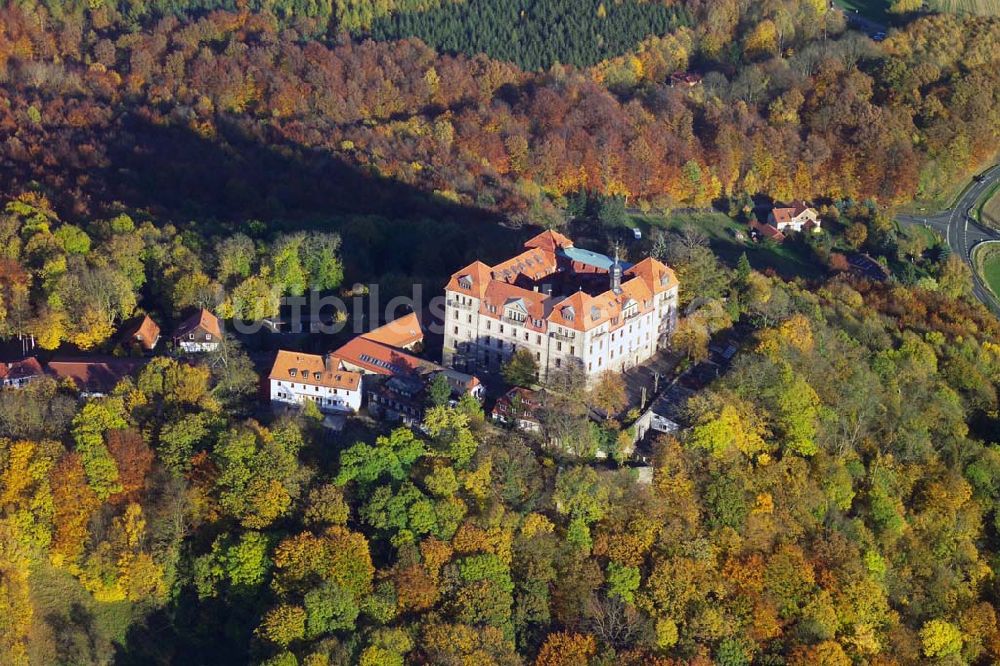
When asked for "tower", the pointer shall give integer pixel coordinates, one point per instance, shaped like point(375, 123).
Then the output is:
point(616, 274)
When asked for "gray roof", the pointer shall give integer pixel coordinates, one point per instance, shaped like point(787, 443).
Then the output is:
point(590, 258)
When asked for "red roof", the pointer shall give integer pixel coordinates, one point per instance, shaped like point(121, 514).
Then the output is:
point(784, 214)
point(144, 331)
point(204, 320)
point(95, 375)
point(29, 367)
point(380, 359)
point(767, 230)
point(549, 240)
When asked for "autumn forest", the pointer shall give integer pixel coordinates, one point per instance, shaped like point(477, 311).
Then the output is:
point(834, 496)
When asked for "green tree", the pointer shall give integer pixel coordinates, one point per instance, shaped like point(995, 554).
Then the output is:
point(521, 369)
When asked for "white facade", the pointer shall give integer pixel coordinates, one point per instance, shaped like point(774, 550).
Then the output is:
point(195, 347)
point(328, 399)
point(475, 341)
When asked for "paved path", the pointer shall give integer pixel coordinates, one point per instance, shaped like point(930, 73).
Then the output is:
point(961, 232)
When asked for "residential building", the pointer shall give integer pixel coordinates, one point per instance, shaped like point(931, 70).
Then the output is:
point(297, 377)
point(797, 216)
point(403, 333)
point(16, 374)
point(519, 407)
point(563, 304)
point(201, 332)
point(143, 333)
point(94, 377)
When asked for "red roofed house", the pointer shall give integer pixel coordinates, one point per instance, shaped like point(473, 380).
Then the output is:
point(16, 374)
point(144, 333)
point(94, 377)
point(297, 377)
point(519, 407)
point(561, 303)
point(795, 217)
point(201, 332)
point(396, 382)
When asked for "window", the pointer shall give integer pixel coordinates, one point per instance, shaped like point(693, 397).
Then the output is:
point(558, 346)
point(292, 372)
point(538, 339)
point(190, 336)
point(558, 362)
point(469, 318)
point(208, 336)
point(456, 330)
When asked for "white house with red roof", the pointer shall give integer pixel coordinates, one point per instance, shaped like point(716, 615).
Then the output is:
point(201, 332)
point(796, 216)
point(297, 378)
point(17, 374)
point(561, 303)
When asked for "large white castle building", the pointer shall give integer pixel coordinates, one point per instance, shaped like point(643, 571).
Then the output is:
point(561, 303)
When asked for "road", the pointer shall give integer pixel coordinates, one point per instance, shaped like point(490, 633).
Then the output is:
point(963, 234)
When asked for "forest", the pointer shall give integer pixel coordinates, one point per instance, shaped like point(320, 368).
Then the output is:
point(835, 500)
point(535, 35)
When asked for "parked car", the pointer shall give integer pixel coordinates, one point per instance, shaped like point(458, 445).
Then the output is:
point(637, 233)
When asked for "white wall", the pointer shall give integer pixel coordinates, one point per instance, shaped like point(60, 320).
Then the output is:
point(327, 399)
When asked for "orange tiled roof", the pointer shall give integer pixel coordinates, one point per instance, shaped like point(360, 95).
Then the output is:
point(500, 294)
point(379, 359)
point(478, 276)
point(784, 214)
point(145, 331)
point(534, 263)
point(401, 332)
point(657, 275)
point(314, 370)
point(549, 240)
point(202, 319)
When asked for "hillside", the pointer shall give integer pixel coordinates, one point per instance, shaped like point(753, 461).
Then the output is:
point(824, 485)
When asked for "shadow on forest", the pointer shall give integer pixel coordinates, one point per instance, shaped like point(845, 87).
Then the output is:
point(244, 173)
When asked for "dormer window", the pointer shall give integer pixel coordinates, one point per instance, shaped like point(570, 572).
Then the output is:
point(465, 282)
point(595, 313)
point(568, 313)
point(208, 336)
point(316, 375)
point(305, 373)
point(292, 372)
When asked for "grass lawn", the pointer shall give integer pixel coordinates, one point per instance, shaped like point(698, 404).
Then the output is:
point(989, 209)
point(876, 10)
point(980, 7)
point(788, 259)
point(991, 272)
